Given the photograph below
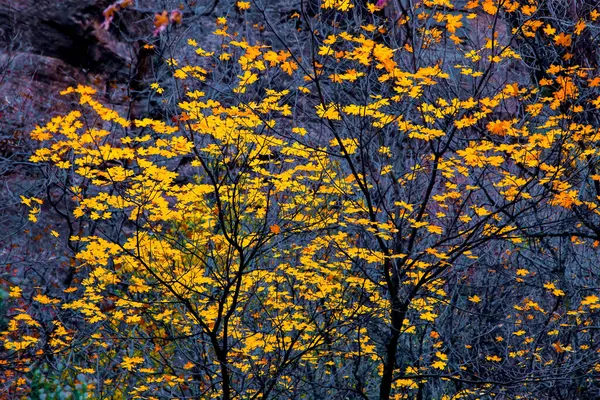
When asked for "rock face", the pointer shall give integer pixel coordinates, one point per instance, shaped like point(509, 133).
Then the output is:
point(64, 30)
point(47, 45)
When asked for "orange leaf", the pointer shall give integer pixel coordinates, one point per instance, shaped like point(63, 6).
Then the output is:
point(562, 40)
point(160, 22)
point(175, 16)
point(189, 365)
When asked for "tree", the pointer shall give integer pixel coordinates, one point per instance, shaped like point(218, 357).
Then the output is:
point(362, 210)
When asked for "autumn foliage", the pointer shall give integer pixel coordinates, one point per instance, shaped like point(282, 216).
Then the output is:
point(397, 202)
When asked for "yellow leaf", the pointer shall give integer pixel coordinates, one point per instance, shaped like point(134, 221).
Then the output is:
point(428, 316)
point(15, 292)
point(474, 299)
point(435, 229)
point(243, 5)
point(43, 299)
point(328, 111)
point(129, 363)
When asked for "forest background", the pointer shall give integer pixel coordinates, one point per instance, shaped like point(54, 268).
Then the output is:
point(286, 199)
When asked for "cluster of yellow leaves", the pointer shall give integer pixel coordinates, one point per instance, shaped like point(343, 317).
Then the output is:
point(551, 287)
point(149, 266)
point(21, 333)
point(33, 209)
point(340, 5)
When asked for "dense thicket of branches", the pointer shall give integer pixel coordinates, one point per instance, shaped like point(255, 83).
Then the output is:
point(359, 200)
